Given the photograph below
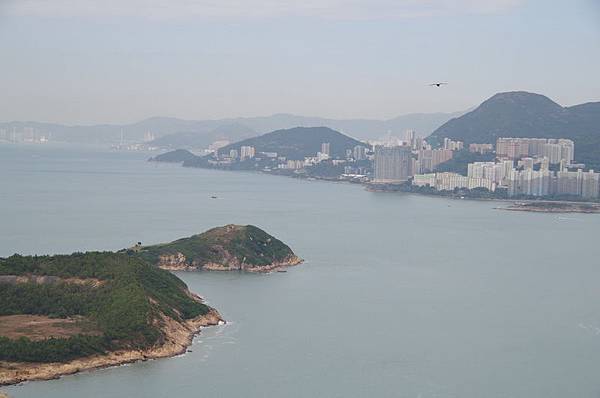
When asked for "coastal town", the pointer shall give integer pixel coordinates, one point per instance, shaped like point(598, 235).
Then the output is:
point(519, 168)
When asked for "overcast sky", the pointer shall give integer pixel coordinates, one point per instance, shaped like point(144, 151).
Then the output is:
point(92, 61)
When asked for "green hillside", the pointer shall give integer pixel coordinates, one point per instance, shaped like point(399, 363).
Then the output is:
point(229, 246)
point(298, 142)
point(118, 301)
point(522, 114)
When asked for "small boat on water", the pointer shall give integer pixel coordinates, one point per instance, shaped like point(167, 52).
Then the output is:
point(213, 197)
point(281, 270)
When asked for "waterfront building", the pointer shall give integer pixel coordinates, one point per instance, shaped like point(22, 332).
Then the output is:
point(247, 152)
point(590, 186)
point(392, 164)
point(423, 180)
point(530, 182)
point(325, 148)
point(233, 153)
point(545, 182)
point(452, 181)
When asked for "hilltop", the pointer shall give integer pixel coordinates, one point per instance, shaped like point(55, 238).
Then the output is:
point(298, 142)
point(66, 313)
point(523, 114)
point(176, 156)
point(227, 248)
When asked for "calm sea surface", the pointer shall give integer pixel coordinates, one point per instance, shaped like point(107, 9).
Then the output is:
point(400, 295)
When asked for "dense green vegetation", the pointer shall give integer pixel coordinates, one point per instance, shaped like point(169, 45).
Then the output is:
point(461, 159)
point(248, 243)
point(124, 306)
point(522, 114)
point(51, 350)
point(325, 170)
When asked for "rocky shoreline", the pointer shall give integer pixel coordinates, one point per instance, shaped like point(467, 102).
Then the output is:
point(554, 207)
point(178, 262)
point(178, 337)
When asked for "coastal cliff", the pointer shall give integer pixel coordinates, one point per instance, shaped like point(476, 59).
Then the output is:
point(227, 248)
point(178, 337)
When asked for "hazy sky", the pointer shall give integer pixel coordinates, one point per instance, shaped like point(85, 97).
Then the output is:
point(90, 61)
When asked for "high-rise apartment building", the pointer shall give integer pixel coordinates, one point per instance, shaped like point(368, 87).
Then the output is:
point(392, 164)
point(247, 152)
point(359, 152)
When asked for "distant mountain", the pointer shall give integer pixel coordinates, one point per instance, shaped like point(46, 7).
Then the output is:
point(176, 156)
point(195, 139)
point(364, 129)
point(298, 142)
point(192, 133)
point(523, 114)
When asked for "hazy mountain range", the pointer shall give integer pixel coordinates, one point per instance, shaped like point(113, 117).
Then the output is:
point(523, 114)
point(177, 133)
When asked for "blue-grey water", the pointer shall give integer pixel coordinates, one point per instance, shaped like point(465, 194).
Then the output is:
point(400, 295)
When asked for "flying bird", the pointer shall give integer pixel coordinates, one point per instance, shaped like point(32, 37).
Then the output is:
point(437, 84)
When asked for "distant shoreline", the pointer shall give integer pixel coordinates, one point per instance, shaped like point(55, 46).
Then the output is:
point(369, 187)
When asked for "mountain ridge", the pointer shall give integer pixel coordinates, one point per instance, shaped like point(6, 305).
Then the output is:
point(423, 123)
point(524, 114)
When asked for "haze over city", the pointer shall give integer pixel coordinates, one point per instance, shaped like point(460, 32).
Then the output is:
point(85, 62)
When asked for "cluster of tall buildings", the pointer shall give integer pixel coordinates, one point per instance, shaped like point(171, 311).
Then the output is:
point(523, 180)
point(495, 172)
point(553, 149)
point(452, 181)
point(544, 182)
point(395, 164)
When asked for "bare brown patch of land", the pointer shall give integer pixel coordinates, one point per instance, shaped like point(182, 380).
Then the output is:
point(178, 336)
point(38, 327)
point(49, 280)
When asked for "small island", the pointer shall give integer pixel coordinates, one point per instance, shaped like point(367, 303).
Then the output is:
point(64, 314)
point(553, 207)
point(227, 248)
